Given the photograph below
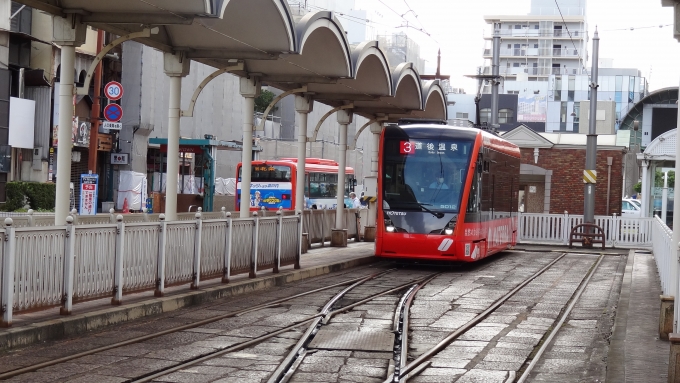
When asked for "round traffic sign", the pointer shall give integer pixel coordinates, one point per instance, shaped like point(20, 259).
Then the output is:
point(113, 112)
point(113, 90)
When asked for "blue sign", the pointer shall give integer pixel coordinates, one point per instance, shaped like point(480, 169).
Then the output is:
point(88, 194)
point(113, 112)
point(271, 195)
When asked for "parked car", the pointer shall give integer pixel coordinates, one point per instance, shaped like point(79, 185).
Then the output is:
point(631, 208)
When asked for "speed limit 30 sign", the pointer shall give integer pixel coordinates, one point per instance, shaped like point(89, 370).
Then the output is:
point(113, 90)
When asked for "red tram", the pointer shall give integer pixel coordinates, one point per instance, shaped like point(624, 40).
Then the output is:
point(446, 193)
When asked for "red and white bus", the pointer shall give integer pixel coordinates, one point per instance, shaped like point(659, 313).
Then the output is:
point(446, 193)
point(273, 184)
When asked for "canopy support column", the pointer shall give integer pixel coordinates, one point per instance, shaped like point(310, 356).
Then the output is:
point(339, 235)
point(250, 88)
point(68, 32)
point(303, 105)
point(176, 66)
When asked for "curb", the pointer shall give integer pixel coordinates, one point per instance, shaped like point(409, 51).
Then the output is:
point(77, 324)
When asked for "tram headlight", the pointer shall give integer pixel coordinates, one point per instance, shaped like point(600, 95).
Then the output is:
point(390, 228)
point(448, 231)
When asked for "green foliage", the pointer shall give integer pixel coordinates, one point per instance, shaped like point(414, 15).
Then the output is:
point(263, 100)
point(39, 196)
point(638, 187)
point(658, 179)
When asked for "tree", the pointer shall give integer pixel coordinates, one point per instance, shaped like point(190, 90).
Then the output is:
point(263, 100)
point(658, 179)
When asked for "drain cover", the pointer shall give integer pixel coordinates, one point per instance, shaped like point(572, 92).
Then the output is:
point(353, 340)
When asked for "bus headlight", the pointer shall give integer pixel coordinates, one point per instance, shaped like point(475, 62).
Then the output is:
point(448, 231)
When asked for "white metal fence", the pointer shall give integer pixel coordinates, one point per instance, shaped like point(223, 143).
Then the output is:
point(556, 228)
point(46, 266)
point(664, 254)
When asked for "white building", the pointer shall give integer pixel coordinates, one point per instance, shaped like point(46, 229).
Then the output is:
point(543, 43)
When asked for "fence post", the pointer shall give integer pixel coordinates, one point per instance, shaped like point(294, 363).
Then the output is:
point(160, 272)
point(615, 230)
point(323, 226)
point(145, 211)
point(7, 298)
point(112, 215)
point(31, 220)
point(567, 230)
point(519, 227)
point(118, 270)
point(224, 212)
point(69, 268)
point(197, 251)
point(279, 238)
point(299, 236)
point(227, 248)
point(74, 215)
point(253, 258)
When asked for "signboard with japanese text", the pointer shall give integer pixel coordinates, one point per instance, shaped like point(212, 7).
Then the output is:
point(120, 158)
point(88, 194)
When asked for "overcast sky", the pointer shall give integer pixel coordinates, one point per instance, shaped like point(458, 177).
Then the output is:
point(458, 27)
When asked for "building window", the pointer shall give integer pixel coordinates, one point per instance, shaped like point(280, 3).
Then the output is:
point(506, 116)
point(485, 116)
point(513, 92)
point(515, 65)
point(461, 115)
point(518, 27)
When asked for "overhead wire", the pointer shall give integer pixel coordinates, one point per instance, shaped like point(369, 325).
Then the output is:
point(578, 51)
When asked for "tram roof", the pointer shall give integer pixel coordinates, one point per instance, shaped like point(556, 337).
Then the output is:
point(285, 50)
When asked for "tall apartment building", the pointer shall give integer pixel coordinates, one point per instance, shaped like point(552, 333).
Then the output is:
point(550, 40)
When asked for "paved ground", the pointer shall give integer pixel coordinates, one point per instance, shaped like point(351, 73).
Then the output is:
point(631, 353)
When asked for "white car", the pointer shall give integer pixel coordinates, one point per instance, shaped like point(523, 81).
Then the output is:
point(631, 208)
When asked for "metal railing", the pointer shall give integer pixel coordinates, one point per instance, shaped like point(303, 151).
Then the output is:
point(47, 266)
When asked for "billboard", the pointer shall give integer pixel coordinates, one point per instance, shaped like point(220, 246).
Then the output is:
point(531, 108)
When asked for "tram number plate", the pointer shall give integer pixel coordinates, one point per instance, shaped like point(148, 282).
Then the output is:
point(407, 147)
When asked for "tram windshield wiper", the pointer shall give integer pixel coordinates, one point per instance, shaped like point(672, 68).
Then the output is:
point(437, 214)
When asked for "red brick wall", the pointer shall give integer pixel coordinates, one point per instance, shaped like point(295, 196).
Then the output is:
point(567, 188)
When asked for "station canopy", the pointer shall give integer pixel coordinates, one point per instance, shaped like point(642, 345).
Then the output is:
point(286, 51)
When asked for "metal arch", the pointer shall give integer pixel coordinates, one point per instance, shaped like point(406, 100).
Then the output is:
point(352, 146)
point(276, 100)
point(325, 116)
point(190, 111)
point(147, 32)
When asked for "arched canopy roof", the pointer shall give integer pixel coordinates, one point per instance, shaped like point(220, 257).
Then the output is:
point(266, 38)
point(661, 96)
point(662, 148)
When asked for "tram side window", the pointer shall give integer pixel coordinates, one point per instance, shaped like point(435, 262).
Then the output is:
point(474, 200)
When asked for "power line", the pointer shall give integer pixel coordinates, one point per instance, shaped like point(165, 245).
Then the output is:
point(578, 52)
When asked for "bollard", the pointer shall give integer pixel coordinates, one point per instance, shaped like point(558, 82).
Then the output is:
point(666, 316)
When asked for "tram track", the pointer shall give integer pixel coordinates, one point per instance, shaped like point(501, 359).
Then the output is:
point(289, 347)
point(296, 355)
point(423, 361)
point(27, 369)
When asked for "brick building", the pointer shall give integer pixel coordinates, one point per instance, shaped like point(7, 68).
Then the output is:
point(551, 176)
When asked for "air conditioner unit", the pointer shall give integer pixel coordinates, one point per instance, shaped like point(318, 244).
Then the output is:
point(37, 158)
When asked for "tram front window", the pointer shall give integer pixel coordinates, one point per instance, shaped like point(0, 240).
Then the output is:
point(427, 174)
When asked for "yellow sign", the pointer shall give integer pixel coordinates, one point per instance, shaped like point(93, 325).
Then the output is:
point(590, 176)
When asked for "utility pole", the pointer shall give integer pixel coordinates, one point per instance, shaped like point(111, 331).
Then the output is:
point(590, 172)
point(495, 72)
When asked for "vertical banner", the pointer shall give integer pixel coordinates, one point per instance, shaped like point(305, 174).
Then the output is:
point(88, 194)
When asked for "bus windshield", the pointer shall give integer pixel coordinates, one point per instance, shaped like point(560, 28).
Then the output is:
point(424, 174)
